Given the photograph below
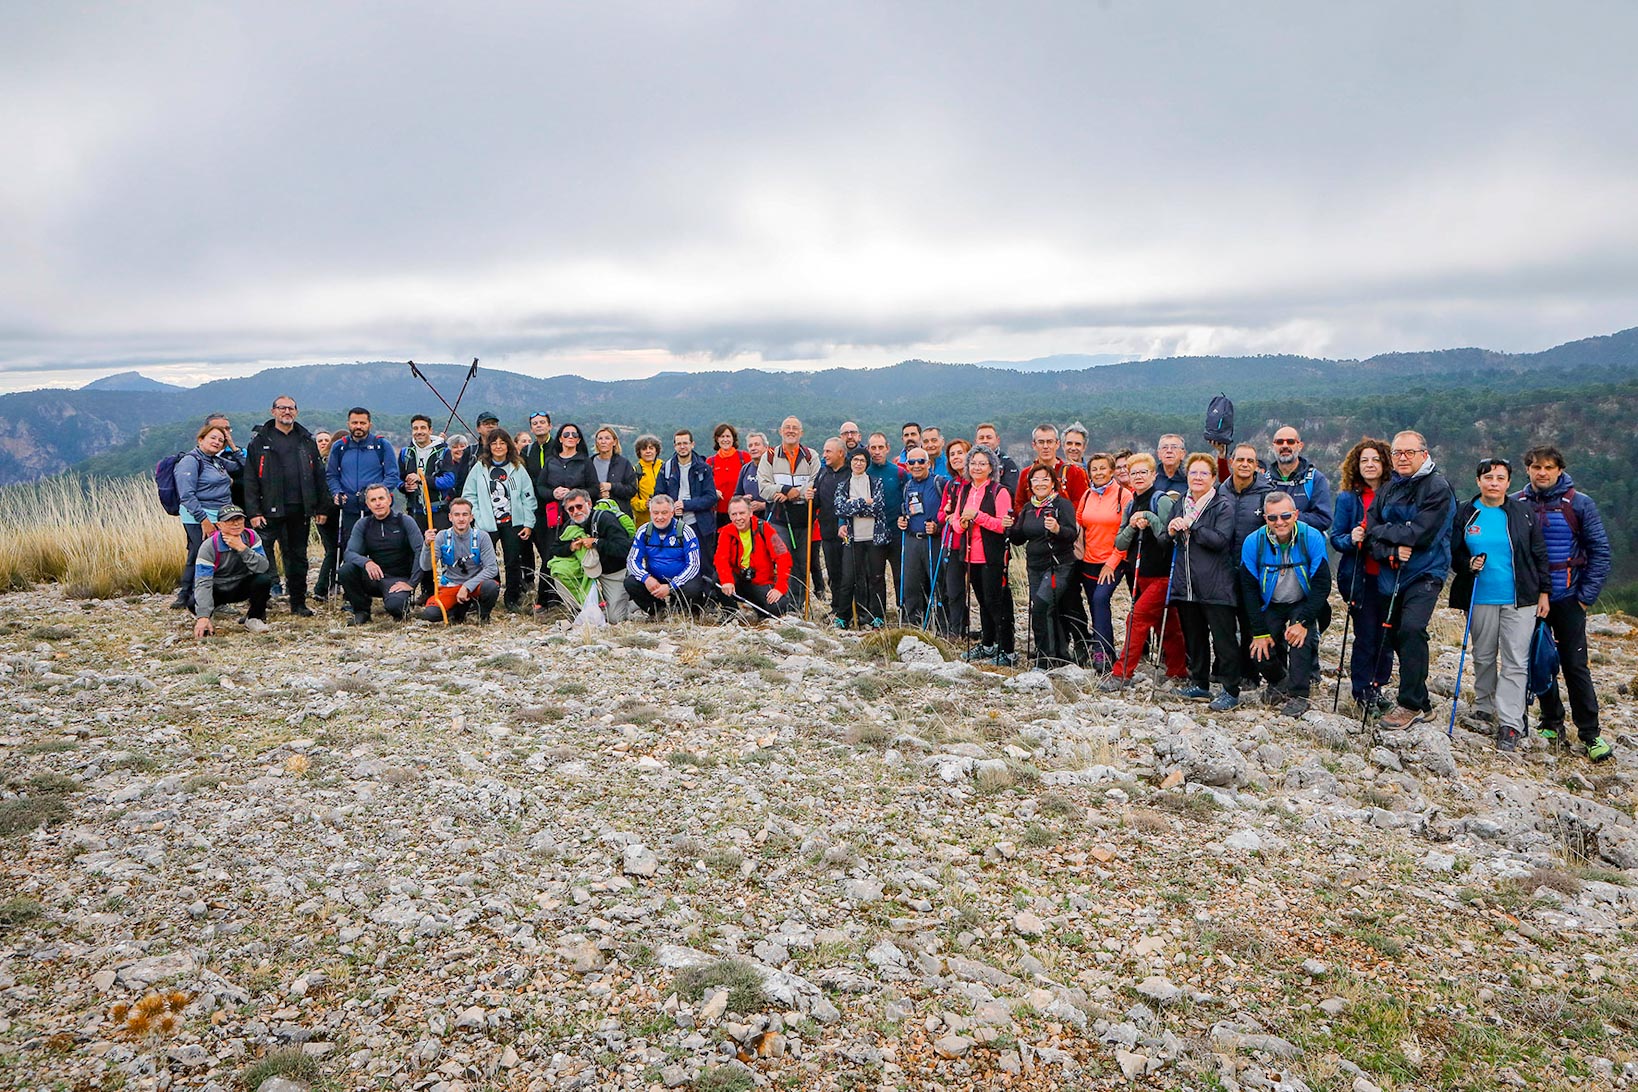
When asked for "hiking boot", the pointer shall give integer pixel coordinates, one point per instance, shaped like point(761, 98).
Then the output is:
point(1384, 703)
point(483, 617)
point(1273, 695)
point(1112, 683)
point(358, 618)
point(278, 590)
point(980, 652)
point(180, 602)
point(1223, 702)
point(254, 625)
point(1402, 717)
point(877, 623)
point(1600, 750)
point(839, 623)
point(1004, 659)
point(1550, 731)
point(1294, 707)
point(1194, 693)
point(1507, 739)
point(301, 610)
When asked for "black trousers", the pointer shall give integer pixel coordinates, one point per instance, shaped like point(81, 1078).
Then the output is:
point(791, 521)
point(360, 590)
point(1210, 628)
point(919, 555)
point(1295, 669)
point(252, 590)
point(505, 541)
point(994, 604)
point(1049, 589)
point(952, 578)
point(1408, 636)
point(862, 594)
point(1568, 621)
point(831, 549)
point(756, 594)
point(196, 538)
point(691, 595)
point(486, 595)
point(328, 533)
point(290, 533)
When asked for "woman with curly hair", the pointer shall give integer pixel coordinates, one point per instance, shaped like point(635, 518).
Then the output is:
point(1364, 471)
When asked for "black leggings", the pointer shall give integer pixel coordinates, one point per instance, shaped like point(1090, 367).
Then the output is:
point(505, 541)
point(1049, 591)
point(861, 595)
point(994, 604)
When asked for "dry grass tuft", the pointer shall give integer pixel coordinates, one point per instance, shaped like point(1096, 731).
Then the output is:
point(99, 537)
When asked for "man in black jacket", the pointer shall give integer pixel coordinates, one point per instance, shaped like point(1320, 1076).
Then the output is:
point(822, 492)
point(285, 493)
point(384, 558)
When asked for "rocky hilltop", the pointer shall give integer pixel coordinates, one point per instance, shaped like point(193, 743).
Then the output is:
point(664, 856)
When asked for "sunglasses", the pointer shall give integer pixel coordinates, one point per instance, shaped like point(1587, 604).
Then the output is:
point(579, 507)
point(1281, 517)
point(568, 436)
point(1286, 443)
point(915, 462)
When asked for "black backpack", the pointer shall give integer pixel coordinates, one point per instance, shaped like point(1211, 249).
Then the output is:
point(1219, 421)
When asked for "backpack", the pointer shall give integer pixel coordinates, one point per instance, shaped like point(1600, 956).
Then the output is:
point(607, 505)
point(1566, 508)
point(1219, 421)
point(170, 498)
point(1543, 663)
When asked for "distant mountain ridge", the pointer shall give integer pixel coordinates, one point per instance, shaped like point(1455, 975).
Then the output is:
point(46, 431)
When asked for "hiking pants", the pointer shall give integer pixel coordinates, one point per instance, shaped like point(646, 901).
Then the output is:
point(952, 596)
point(252, 589)
point(994, 604)
point(1212, 629)
point(1294, 670)
point(1049, 590)
point(757, 594)
point(920, 554)
point(687, 596)
point(291, 532)
point(1408, 636)
point(1101, 598)
point(1500, 647)
point(505, 541)
point(328, 533)
point(1567, 618)
point(792, 525)
point(488, 591)
point(834, 550)
point(360, 589)
point(1150, 612)
point(861, 596)
point(1368, 670)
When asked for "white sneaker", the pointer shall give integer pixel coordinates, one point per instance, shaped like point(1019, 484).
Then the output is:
point(254, 625)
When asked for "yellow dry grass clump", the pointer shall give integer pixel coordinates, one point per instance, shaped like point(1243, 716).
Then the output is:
point(99, 537)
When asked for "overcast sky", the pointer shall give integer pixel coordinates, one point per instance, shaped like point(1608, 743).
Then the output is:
point(201, 190)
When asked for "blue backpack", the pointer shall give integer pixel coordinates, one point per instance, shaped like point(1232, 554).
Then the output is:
point(165, 483)
point(1543, 661)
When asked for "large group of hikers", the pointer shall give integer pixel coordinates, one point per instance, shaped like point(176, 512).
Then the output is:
point(1225, 555)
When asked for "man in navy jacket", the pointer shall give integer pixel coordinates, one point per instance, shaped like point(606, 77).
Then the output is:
point(688, 480)
point(358, 461)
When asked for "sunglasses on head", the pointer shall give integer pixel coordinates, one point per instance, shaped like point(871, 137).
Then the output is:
point(1487, 465)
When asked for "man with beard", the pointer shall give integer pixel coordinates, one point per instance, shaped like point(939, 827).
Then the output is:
point(1300, 480)
point(358, 461)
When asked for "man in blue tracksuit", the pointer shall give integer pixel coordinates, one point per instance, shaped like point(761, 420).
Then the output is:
point(358, 461)
point(1408, 531)
point(663, 564)
point(918, 520)
point(1578, 556)
point(1285, 580)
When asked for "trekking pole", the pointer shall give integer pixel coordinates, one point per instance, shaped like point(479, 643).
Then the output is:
point(753, 606)
point(1373, 691)
point(1461, 661)
point(933, 586)
point(1347, 617)
point(437, 585)
point(416, 372)
point(470, 372)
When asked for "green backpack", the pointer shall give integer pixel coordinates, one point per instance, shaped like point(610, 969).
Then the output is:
point(607, 505)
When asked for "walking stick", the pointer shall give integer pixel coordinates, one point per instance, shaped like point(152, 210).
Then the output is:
point(1373, 691)
point(437, 585)
point(933, 588)
point(416, 372)
point(1461, 661)
point(470, 372)
point(1347, 617)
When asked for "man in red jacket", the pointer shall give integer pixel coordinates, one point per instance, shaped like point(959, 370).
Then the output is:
point(1072, 481)
point(753, 562)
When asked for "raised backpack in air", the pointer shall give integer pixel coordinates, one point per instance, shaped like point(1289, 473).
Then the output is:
point(1219, 421)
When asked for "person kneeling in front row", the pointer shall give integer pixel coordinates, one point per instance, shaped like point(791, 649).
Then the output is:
point(663, 564)
point(231, 567)
point(753, 563)
point(384, 558)
point(467, 570)
point(1285, 579)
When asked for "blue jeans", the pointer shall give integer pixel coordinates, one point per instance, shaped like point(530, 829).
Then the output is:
point(1103, 615)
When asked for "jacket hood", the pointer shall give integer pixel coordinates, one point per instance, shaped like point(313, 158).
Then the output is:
point(1304, 468)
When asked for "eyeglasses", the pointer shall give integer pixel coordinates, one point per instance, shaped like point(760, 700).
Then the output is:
point(1487, 465)
point(280, 409)
point(1407, 452)
point(1280, 517)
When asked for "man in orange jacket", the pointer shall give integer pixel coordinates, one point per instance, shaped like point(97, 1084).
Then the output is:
point(753, 562)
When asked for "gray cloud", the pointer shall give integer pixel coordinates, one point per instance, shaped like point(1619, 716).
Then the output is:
point(614, 189)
